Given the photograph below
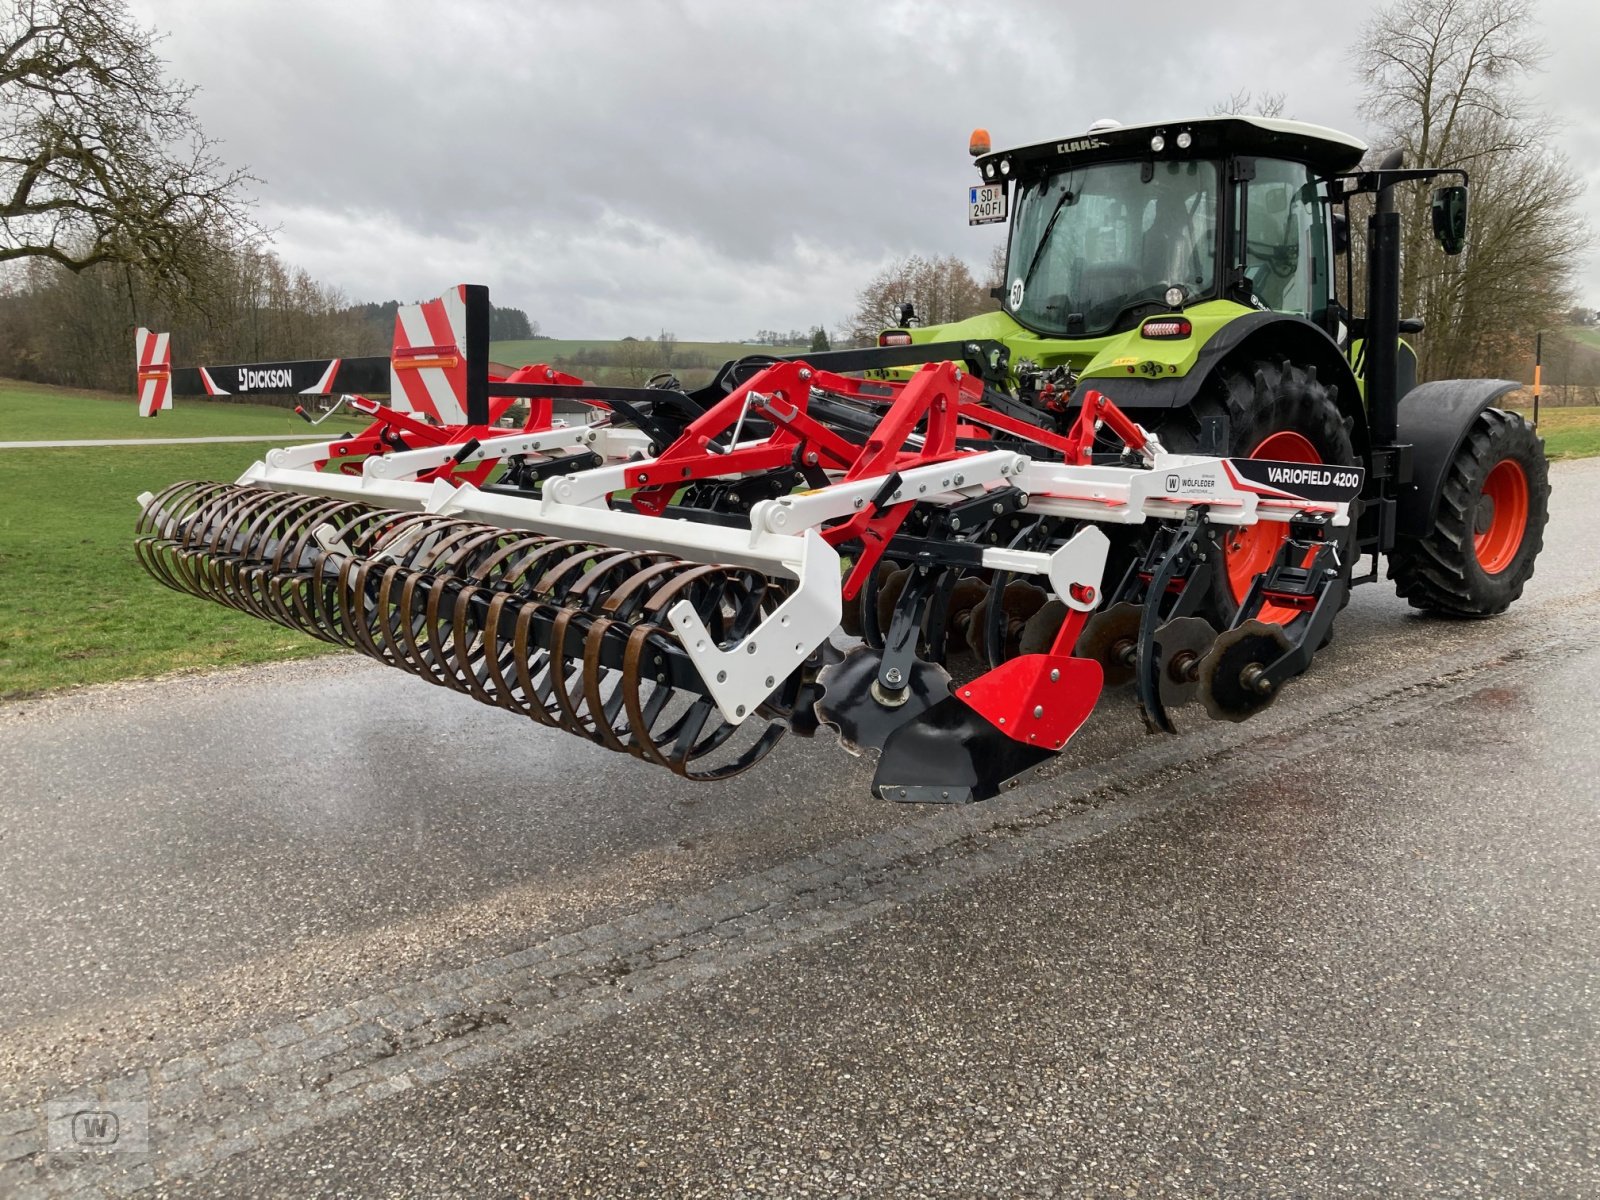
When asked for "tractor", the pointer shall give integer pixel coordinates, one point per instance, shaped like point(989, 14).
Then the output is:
point(1188, 271)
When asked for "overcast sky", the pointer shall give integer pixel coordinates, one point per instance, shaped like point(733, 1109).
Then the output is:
point(714, 168)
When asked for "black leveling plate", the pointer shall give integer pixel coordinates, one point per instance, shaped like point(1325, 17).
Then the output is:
point(951, 755)
point(1225, 673)
point(853, 704)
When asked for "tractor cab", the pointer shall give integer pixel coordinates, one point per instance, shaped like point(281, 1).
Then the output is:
point(1112, 227)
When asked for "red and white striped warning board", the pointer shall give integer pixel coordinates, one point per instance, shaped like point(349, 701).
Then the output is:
point(154, 353)
point(428, 367)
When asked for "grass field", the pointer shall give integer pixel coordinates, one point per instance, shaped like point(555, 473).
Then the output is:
point(1568, 432)
point(75, 606)
point(1588, 335)
point(31, 412)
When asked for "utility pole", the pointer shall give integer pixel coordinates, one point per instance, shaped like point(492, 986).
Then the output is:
point(1538, 356)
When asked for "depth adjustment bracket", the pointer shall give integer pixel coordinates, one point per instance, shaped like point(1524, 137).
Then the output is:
point(1318, 586)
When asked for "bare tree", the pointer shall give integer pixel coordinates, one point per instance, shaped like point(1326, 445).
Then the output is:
point(61, 326)
point(995, 275)
point(941, 289)
point(101, 160)
point(1245, 103)
point(639, 359)
point(1443, 82)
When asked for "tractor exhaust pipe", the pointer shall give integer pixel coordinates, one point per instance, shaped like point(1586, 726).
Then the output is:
point(1383, 310)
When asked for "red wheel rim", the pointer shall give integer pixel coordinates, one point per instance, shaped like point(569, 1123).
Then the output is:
point(1249, 551)
point(1502, 516)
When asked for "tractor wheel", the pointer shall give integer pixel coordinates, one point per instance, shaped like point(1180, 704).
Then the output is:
point(1489, 528)
point(1278, 410)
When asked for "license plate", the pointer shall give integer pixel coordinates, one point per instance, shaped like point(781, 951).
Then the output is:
point(986, 204)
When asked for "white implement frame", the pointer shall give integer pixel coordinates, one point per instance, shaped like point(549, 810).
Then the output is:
point(783, 536)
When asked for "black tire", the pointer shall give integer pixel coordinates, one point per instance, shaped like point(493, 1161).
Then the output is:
point(1261, 398)
point(1441, 572)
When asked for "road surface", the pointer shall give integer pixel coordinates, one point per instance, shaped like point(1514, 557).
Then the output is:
point(341, 933)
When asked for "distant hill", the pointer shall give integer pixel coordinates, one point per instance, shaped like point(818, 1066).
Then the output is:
point(628, 361)
point(1589, 335)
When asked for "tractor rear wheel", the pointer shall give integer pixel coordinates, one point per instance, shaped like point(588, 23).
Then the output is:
point(1275, 409)
point(1489, 528)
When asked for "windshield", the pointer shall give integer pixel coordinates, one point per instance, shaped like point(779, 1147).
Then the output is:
point(1092, 242)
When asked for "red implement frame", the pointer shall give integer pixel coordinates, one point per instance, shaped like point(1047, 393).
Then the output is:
point(394, 430)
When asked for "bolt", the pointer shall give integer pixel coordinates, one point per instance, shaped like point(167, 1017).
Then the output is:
point(750, 648)
point(1055, 676)
point(997, 508)
point(811, 459)
point(722, 677)
point(1038, 711)
point(902, 793)
point(1255, 678)
point(893, 677)
point(804, 373)
point(644, 477)
point(739, 712)
point(1002, 720)
point(955, 522)
point(960, 479)
point(859, 502)
point(769, 681)
point(944, 795)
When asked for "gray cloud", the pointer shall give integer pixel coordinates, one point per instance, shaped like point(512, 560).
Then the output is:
point(710, 167)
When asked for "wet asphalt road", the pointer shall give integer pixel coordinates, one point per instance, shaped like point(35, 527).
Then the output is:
point(1347, 948)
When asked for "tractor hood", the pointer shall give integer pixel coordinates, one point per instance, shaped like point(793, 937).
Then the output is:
point(1126, 353)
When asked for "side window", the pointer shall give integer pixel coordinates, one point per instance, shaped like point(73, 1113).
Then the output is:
point(1284, 248)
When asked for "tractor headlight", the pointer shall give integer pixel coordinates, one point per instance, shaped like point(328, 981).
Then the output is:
point(1158, 143)
point(988, 171)
point(1005, 166)
point(1175, 296)
point(1185, 140)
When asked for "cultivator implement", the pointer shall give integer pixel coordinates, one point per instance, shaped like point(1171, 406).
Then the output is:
point(686, 576)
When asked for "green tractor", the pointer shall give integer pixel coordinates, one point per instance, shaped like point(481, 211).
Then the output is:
point(1187, 271)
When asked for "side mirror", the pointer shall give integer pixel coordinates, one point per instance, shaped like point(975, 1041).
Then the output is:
point(1450, 218)
point(1341, 234)
point(907, 314)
